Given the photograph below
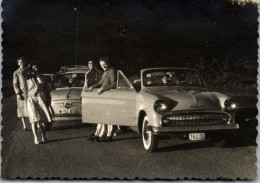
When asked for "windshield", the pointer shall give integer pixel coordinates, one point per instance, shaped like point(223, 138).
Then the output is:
point(171, 77)
point(69, 80)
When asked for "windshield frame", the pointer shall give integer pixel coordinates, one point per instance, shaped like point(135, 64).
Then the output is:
point(169, 68)
point(68, 73)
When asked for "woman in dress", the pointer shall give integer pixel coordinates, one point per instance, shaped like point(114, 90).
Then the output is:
point(38, 110)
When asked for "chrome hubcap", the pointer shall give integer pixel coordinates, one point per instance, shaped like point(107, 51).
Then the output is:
point(146, 135)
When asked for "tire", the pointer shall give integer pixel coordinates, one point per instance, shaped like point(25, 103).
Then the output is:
point(150, 141)
point(48, 126)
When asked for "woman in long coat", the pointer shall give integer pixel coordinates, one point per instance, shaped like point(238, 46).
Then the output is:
point(38, 110)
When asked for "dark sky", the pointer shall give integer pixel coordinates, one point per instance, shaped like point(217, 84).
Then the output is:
point(134, 34)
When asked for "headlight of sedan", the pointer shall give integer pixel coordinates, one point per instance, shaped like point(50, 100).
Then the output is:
point(160, 106)
point(230, 105)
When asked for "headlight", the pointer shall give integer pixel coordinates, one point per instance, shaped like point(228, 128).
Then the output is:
point(230, 104)
point(160, 106)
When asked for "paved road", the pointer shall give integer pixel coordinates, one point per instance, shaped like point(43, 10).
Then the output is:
point(69, 154)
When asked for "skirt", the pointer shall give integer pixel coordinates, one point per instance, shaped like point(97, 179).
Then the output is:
point(38, 110)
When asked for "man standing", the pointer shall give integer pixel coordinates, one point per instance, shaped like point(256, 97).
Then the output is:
point(107, 82)
point(92, 76)
point(20, 88)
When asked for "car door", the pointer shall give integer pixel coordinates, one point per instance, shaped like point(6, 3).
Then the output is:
point(116, 106)
point(125, 108)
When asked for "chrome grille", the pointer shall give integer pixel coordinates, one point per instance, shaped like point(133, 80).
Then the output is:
point(195, 119)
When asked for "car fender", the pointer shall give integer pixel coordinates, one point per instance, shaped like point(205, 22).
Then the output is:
point(145, 102)
point(222, 98)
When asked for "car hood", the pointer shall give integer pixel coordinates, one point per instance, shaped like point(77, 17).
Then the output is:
point(66, 93)
point(185, 98)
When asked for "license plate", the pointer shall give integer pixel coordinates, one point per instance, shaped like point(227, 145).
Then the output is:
point(68, 111)
point(197, 136)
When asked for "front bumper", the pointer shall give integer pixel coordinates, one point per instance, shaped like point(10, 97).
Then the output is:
point(67, 119)
point(158, 130)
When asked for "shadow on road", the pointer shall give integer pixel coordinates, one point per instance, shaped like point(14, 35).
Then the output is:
point(72, 138)
point(69, 126)
point(245, 136)
point(186, 146)
point(129, 138)
point(64, 127)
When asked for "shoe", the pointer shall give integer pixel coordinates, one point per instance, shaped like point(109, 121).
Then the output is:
point(36, 142)
point(44, 140)
point(109, 139)
point(93, 138)
point(101, 139)
point(25, 129)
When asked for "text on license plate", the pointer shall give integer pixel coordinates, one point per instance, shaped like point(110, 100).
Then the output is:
point(69, 111)
point(197, 136)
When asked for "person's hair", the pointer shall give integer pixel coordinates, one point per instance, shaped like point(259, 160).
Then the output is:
point(93, 63)
point(21, 58)
point(105, 59)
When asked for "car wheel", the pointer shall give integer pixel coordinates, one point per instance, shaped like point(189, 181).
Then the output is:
point(150, 141)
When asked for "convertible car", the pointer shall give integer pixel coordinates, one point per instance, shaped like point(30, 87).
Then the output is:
point(164, 101)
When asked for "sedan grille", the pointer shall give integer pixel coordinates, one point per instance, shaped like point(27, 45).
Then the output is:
point(195, 119)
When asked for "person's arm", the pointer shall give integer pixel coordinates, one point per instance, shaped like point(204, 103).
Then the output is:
point(25, 74)
point(99, 75)
point(85, 83)
point(112, 78)
point(96, 85)
point(16, 84)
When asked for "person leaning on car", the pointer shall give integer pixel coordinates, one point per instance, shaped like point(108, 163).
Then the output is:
point(93, 76)
point(107, 82)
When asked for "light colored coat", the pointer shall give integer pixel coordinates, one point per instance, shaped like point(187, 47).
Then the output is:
point(36, 103)
point(20, 87)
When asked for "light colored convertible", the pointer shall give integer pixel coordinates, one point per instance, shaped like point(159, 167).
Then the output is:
point(164, 101)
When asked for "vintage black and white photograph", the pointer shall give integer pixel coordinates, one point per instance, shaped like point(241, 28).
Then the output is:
point(129, 89)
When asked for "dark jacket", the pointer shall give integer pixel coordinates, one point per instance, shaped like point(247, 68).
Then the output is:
point(92, 77)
